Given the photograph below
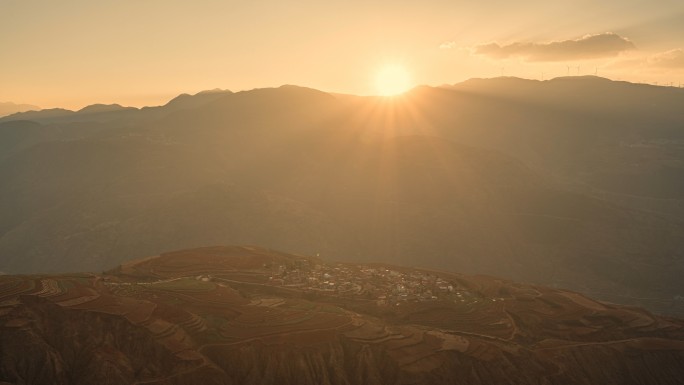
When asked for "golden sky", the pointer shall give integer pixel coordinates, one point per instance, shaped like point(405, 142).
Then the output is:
point(143, 52)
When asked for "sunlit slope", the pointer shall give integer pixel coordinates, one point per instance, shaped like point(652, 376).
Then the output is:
point(350, 178)
point(216, 314)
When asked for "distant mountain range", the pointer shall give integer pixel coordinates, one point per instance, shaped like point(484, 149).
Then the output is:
point(572, 182)
point(8, 108)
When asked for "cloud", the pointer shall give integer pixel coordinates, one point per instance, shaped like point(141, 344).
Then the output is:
point(447, 45)
point(670, 59)
point(661, 62)
point(587, 47)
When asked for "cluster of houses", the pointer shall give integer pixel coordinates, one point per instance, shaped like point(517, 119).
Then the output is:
point(382, 284)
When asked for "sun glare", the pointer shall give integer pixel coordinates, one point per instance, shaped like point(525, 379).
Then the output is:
point(392, 80)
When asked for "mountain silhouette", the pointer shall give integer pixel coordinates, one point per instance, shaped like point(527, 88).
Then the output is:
point(8, 108)
point(97, 108)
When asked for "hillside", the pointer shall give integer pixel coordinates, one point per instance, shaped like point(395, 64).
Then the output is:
point(247, 315)
point(620, 141)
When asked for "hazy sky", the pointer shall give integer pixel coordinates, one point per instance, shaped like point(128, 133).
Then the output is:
point(75, 52)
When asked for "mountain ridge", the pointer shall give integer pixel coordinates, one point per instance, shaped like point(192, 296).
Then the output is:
point(8, 108)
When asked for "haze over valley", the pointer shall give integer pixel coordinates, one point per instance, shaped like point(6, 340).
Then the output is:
point(528, 180)
point(341, 193)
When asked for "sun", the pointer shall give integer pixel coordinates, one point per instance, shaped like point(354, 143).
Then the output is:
point(392, 80)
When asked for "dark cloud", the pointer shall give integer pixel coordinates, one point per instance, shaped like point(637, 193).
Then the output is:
point(670, 59)
point(587, 47)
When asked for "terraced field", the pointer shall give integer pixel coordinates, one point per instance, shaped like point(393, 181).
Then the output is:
point(208, 315)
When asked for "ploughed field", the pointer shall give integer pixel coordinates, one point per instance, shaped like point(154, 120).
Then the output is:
point(246, 315)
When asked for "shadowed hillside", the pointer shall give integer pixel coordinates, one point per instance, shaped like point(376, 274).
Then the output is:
point(481, 177)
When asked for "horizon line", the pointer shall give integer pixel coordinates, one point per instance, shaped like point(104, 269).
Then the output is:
point(333, 93)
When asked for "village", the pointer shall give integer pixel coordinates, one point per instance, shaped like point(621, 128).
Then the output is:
point(383, 284)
